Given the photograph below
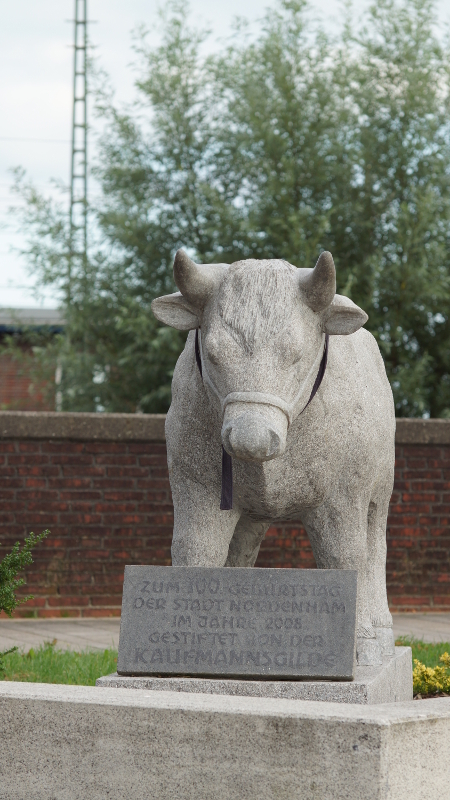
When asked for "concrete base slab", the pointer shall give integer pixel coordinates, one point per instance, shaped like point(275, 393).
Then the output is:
point(389, 683)
point(78, 742)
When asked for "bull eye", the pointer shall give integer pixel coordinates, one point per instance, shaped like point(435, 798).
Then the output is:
point(289, 349)
point(290, 355)
point(296, 359)
point(213, 358)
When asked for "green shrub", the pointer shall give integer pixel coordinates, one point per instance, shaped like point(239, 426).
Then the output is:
point(13, 563)
point(428, 681)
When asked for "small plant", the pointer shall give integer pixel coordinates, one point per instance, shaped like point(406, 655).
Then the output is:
point(432, 680)
point(13, 563)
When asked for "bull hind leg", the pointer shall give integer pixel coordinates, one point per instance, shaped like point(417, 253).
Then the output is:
point(376, 574)
point(337, 531)
point(246, 541)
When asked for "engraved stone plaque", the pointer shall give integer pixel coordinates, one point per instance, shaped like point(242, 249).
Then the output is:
point(238, 622)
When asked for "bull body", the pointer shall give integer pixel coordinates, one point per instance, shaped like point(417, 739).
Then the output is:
point(330, 464)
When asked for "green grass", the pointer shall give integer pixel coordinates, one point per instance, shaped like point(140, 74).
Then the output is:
point(47, 665)
point(425, 652)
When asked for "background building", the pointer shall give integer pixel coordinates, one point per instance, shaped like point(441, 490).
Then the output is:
point(21, 387)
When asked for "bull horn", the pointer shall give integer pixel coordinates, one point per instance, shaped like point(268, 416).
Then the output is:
point(319, 287)
point(196, 282)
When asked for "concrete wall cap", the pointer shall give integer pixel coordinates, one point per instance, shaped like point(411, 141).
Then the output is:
point(83, 426)
point(423, 431)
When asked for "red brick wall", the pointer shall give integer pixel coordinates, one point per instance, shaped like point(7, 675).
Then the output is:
point(418, 561)
point(107, 504)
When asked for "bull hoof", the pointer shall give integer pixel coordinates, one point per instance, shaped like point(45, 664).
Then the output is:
point(368, 652)
point(385, 637)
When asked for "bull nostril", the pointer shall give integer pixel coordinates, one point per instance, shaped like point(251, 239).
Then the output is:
point(275, 443)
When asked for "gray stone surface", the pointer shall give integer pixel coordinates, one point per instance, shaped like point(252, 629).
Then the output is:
point(331, 464)
point(82, 742)
point(276, 623)
point(390, 683)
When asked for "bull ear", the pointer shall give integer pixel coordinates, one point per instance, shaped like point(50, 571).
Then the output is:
point(174, 310)
point(343, 317)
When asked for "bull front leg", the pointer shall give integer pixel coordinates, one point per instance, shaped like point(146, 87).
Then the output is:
point(337, 531)
point(246, 541)
point(202, 532)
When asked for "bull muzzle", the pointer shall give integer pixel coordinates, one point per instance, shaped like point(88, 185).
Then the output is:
point(254, 433)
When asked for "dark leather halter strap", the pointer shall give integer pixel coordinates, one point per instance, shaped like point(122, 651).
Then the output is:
point(197, 354)
point(320, 374)
point(226, 499)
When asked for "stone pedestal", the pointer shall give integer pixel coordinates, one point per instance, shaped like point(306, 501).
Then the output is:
point(85, 742)
point(389, 683)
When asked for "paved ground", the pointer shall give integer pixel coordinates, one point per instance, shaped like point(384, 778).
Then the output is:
point(98, 634)
point(429, 627)
point(76, 634)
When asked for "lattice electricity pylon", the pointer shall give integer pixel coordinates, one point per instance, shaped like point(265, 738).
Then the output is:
point(79, 164)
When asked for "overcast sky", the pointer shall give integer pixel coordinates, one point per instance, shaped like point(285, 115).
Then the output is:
point(36, 91)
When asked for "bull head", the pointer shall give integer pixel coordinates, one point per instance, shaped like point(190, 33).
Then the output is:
point(198, 282)
point(255, 425)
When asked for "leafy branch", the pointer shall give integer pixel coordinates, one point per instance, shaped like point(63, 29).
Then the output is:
point(13, 563)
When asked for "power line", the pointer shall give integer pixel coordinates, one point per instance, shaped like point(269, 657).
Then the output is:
point(38, 183)
point(23, 139)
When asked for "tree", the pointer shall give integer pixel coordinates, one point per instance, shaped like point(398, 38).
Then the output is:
point(395, 229)
point(285, 143)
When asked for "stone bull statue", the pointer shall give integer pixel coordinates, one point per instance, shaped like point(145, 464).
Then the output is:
point(279, 373)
